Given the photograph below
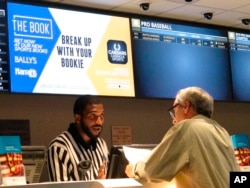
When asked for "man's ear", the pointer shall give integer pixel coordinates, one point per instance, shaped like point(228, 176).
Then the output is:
point(186, 106)
point(77, 118)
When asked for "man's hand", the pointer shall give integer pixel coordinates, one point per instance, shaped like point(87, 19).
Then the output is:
point(130, 170)
point(102, 171)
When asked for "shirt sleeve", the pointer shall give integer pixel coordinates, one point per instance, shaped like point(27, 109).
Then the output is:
point(58, 164)
point(167, 159)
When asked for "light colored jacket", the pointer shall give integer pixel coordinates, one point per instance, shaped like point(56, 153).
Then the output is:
point(196, 153)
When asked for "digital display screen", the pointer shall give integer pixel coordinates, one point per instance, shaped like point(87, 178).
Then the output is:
point(240, 64)
point(169, 57)
point(59, 51)
point(4, 66)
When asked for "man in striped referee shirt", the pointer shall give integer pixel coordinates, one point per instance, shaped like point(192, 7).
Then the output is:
point(79, 153)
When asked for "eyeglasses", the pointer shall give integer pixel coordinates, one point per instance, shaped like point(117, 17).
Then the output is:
point(171, 110)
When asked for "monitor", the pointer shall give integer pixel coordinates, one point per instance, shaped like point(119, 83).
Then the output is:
point(68, 50)
point(34, 160)
point(169, 56)
point(4, 68)
point(240, 64)
point(118, 160)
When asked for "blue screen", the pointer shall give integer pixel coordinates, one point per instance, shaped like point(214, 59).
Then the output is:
point(69, 51)
point(4, 70)
point(168, 57)
point(240, 65)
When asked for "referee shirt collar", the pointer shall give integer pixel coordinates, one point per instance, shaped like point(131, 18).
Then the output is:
point(78, 139)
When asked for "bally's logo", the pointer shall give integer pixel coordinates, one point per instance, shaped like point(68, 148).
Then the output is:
point(117, 52)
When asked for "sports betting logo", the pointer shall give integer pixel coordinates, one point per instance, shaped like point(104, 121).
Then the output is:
point(117, 52)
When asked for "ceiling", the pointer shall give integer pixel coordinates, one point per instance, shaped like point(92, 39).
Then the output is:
point(227, 13)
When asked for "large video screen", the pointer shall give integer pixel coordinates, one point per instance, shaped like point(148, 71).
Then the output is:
point(61, 51)
point(4, 68)
point(170, 56)
point(240, 64)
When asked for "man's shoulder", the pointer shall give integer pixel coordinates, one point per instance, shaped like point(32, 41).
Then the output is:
point(101, 140)
point(192, 123)
point(61, 139)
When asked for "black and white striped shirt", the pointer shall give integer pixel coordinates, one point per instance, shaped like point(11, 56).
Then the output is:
point(68, 149)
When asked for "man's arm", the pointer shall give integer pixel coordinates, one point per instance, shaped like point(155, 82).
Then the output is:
point(56, 162)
